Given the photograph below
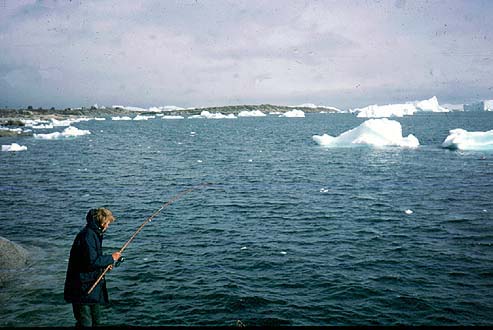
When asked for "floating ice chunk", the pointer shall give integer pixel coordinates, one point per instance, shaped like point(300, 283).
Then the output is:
point(408, 211)
point(195, 117)
point(42, 126)
point(243, 248)
point(199, 161)
point(173, 117)
point(430, 105)
point(121, 118)
point(324, 190)
point(399, 110)
point(69, 132)
point(99, 118)
point(253, 113)
point(373, 132)
point(143, 117)
point(284, 252)
point(293, 114)
point(13, 147)
point(384, 111)
point(217, 115)
point(464, 140)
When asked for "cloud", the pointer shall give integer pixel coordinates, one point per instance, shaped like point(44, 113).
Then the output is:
point(189, 53)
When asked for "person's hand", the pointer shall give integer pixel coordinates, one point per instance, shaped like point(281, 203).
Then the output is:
point(116, 255)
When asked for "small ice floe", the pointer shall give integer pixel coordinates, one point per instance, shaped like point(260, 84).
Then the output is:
point(243, 248)
point(42, 126)
point(293, 114)
point(172, 117)
point(250, 160)
point(485, 211)
point(253, 113)
point(284, 252)
point(121, 118)
point(324, 190)
point(373, 132)
point(463, 140)
point(199, 161)
point(218, 115)
point(69, 132)
point(143, 117)
point(408, 211)
point(13, 147)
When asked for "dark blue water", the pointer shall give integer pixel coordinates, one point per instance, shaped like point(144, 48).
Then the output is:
point(289, 233)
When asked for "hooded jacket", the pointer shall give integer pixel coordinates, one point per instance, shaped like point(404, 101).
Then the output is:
point(85, 265)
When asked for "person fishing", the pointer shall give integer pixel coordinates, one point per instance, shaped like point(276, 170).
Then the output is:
point(85, 265)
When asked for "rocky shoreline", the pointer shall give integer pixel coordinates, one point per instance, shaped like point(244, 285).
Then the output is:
point(14, 117)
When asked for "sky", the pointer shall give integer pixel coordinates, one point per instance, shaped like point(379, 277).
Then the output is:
point(197, 53)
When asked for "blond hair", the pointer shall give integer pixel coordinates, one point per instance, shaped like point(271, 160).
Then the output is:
point(103, 216)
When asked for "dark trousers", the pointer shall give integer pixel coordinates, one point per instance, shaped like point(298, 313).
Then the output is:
point(87, 315)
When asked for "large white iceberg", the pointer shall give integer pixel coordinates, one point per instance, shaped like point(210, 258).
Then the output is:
point(464, 140)
point(399, 110)
point(389, 110)
point(293, 114)
point(69, 132)
point(13, 147)
point(373, 132)
point(253, 113)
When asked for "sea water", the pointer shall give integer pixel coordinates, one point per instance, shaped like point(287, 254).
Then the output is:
point(287, 233)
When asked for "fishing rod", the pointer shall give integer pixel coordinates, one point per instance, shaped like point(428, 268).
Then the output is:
point(149, 219)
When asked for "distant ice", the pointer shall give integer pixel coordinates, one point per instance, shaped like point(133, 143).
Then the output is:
point(293, 114)
point(461, 139)
point(143, 117)
point(69, 132)
point(253, 113)
point(385, 111)
point(129, 108)
point(217, 115)
point(42, 126)
point(373, 132)
point(172, 117)
point(121, 118)
point(399, 110)
point(314, 106)
point(408, 212)
point(13, 147)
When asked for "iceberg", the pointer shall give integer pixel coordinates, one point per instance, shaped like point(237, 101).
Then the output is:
point(69, 132)
point(464, 140)
point(373, 132)
point(430, 105)
point(253, 113)
point(143, 117)
point(314, 106)
point(385, 111)
point(121, 118)
point(13, 147)
point(172, 117)
point(293, 114)
point(399, 110)
point(217, 115)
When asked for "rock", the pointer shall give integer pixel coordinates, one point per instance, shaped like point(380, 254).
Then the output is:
point(12, 256)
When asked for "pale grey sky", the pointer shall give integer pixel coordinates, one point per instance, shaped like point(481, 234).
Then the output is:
point(202, 53)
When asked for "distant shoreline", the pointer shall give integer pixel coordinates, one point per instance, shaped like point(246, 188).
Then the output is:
point(93, 111)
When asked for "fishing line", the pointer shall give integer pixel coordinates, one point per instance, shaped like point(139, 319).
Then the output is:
point(149, 219)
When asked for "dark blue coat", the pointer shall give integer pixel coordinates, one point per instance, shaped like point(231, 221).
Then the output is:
point(85, 265)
